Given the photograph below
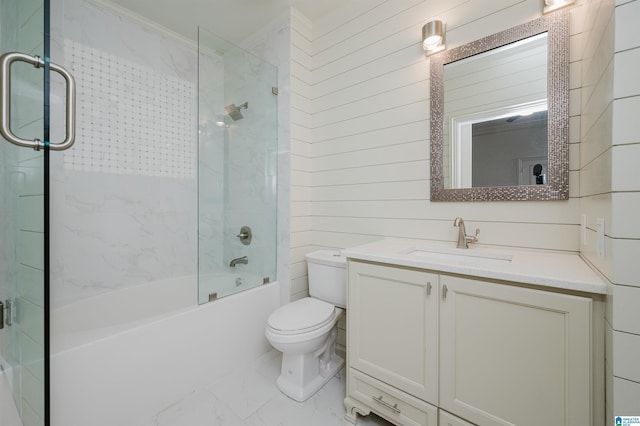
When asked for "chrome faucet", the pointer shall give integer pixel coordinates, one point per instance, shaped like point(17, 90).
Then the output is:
point(244, 260)
point(463, 238)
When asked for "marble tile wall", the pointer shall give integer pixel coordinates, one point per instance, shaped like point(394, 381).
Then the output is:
point(123, 197)
point(211, 157)
point(273, 44)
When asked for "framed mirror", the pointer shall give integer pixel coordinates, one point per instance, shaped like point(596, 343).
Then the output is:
point(500, 115)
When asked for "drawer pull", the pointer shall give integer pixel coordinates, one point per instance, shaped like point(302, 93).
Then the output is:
point(393, 407)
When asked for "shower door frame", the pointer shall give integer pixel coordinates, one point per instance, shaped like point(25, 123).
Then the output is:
point(16, 40)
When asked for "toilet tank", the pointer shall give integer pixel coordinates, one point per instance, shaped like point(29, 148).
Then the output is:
point(328, 276)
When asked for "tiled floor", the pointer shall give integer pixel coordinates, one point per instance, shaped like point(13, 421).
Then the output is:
point(249, 397)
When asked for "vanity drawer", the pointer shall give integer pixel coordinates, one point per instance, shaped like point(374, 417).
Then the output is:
point(390, 403)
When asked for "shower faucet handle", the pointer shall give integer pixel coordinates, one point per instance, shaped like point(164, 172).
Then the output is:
point(245, 235)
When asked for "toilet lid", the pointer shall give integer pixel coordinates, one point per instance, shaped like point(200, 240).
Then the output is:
point(301, 316)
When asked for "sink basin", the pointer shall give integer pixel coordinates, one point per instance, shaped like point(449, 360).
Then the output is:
point(475, 256)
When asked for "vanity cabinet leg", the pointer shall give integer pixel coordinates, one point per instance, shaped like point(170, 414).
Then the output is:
point(353, 409)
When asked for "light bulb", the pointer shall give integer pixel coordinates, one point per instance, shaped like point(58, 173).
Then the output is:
point(431, 41)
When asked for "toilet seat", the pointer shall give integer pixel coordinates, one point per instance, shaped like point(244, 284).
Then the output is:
point(302, 316)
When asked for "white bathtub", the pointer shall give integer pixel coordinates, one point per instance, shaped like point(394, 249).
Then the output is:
point(8, 411)
point(119, 359)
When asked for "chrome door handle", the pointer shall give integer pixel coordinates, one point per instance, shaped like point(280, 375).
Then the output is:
point(5, 102)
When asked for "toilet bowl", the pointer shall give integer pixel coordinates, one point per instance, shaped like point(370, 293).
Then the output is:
point(305, 331)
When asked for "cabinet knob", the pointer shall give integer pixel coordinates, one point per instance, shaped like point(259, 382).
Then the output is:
point(429, 288)
point(444, 291)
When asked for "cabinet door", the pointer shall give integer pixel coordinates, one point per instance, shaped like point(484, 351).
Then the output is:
point(514, 356)
point(392, 330)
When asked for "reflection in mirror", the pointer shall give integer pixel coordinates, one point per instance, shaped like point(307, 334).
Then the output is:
point(499, 115)
point(495, 107)
point(506, 150)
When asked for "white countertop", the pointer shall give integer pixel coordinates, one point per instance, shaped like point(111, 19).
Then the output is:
point(558, 270)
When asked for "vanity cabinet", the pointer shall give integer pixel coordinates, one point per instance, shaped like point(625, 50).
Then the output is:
point(489, 353)
point(514, 355)
point(392, 335)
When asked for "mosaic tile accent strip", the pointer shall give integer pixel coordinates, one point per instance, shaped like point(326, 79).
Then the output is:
point(131, 119)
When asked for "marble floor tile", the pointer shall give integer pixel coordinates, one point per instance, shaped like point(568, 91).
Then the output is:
point(200, 408)
point(249, 397)
point(244, 391)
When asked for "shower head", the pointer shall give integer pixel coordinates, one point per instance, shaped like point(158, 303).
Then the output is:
point(234, 111)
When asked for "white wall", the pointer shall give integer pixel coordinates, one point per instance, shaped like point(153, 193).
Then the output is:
point(368, 166)
point(301, 155)
point(123, 198)
point(609, 152)
point(360, 133)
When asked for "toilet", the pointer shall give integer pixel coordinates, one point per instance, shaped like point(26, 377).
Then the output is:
point(305, 330)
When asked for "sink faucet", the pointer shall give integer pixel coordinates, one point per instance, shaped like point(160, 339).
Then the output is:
point(463, 238)
point(244, 260)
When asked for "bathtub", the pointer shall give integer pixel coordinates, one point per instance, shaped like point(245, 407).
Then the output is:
point(122, 357)
point(8, 411)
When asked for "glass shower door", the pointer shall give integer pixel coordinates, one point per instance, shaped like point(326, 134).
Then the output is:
point(23, 347)
point(237, 169)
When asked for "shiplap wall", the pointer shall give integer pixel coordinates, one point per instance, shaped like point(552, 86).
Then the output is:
point(610, 150)
point(370, 131)
point(360, 132)
point(361, 158)
point(300, 187)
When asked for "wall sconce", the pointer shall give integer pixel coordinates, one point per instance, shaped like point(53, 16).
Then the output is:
point(433, 37)
point(553, 5)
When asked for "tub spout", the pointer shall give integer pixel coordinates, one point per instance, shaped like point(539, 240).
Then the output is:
point(244, 260)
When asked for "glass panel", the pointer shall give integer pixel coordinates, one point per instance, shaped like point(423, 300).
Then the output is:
point(22, 345)
point(237, 172)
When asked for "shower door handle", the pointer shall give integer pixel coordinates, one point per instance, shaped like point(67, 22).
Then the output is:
point(6, 61)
